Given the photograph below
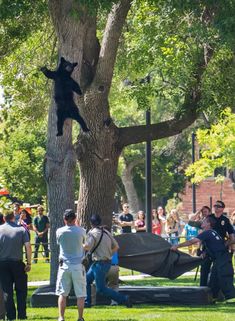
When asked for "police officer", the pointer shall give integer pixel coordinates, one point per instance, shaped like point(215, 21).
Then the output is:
point(222, 269)
point(223, 226)
point(225, 229)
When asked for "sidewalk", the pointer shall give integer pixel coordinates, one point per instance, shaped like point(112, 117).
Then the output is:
point(122, 278)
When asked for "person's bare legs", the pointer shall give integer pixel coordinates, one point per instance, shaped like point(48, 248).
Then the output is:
point(80, 304)
point(62, 305)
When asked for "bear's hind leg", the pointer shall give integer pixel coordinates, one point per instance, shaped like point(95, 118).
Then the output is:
point(76, 116)
point(60, 124)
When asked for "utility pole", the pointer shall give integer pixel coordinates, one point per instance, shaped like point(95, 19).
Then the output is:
point(193, 185)
point(148, 175)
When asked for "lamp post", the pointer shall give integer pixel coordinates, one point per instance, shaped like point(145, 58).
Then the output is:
point(148, 160)
point(193, 185)
point(148, 175)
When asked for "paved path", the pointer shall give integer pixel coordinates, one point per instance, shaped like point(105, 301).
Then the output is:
point(122, 278)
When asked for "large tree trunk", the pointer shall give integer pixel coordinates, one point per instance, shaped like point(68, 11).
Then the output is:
point(60, 162)
point(127, 180)
point(98, 169)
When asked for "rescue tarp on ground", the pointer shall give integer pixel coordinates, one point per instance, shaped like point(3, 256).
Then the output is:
point(151, 254)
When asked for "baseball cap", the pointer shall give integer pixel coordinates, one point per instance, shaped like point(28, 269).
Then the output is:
point(95, 220)
point(69, 215)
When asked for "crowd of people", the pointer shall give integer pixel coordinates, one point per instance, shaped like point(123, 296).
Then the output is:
point(211, 236)
point(169, 226)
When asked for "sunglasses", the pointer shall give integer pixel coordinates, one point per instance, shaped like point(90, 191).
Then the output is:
point(125, 206)
point(218, 206)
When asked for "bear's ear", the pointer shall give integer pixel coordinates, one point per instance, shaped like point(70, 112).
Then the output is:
point(75, 64)
point(62, 59)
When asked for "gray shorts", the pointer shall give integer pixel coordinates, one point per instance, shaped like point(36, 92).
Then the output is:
point(68, 275)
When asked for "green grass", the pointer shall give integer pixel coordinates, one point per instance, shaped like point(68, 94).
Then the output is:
point(151, 281)
point(39, 272)
point(218, 312)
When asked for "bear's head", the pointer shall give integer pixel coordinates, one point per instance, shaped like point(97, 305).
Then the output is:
point(66, 67)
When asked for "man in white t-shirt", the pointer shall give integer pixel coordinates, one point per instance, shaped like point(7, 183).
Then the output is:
point(71, 270)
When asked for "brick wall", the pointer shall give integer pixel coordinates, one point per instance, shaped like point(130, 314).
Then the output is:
point(209, 188)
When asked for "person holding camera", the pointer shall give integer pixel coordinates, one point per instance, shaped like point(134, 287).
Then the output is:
point(104, 246)
point(71, 270)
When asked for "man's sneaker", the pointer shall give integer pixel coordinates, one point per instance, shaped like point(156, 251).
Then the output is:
point(128, 302)
point(81, 319)
point(60, 319)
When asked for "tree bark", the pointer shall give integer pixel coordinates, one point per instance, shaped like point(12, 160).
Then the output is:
point(127, 180)
point(61, 159)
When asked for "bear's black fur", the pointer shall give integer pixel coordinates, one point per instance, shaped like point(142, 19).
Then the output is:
point(63, 94)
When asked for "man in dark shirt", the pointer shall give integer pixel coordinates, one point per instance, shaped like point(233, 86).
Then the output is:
point(126, 219)
point(222, 269)
point(12, 268)
point(223, 226)
point(41, 226)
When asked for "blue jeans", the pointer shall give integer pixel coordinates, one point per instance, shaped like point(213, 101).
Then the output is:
point(98, 272)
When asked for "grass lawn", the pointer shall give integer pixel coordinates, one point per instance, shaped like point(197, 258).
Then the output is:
point(217, 312)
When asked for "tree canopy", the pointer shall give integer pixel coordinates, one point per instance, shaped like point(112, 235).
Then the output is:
point(217, 148)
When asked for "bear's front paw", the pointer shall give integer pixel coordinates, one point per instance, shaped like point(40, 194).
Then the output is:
point(43, 69)
point(85, 129)
point(59, 134)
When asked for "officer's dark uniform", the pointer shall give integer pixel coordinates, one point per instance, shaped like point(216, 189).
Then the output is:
point(224, 228)
point(222, 269)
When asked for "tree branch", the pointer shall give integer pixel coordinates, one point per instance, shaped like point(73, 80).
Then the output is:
point(138, 134)
point(110, 43)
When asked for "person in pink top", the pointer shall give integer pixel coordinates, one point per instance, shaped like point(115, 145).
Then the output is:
point(156, 223)
point(140, 222)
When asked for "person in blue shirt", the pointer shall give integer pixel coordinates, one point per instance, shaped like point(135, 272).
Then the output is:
point(190, 232)
point(70, 239)
point(222, 270)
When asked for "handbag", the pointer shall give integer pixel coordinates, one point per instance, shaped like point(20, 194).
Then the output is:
point(87, 260)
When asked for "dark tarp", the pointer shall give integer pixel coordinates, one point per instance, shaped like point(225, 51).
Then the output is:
point(151, 254)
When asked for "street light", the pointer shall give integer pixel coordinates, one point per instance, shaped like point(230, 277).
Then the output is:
point(148, 159)
point(193, 185)
point(148, 174)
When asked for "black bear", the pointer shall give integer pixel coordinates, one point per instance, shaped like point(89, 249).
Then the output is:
point(63, 95)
